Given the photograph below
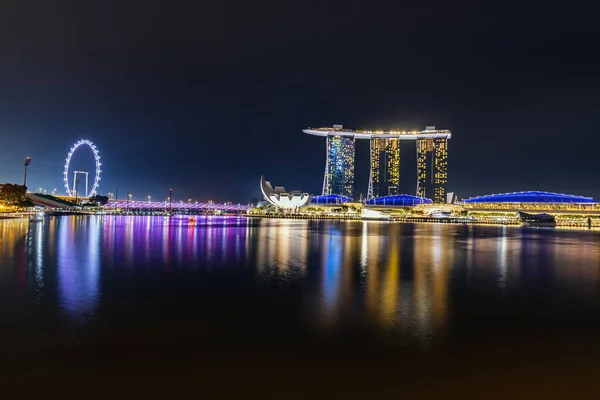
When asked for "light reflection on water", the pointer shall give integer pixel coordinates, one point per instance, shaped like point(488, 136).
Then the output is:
point(78, 264)
point(401, 282)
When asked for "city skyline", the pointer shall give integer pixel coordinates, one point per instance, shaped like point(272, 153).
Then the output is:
point(206, 108)
point(444, 235)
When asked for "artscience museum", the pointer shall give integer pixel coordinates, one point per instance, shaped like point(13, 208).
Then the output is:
point(279, 197)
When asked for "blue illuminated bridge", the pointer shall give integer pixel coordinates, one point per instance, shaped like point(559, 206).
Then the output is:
point(176, 206)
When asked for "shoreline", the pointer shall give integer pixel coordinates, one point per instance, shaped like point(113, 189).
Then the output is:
point(430, 220)
point(12, 216)
point(404, 220)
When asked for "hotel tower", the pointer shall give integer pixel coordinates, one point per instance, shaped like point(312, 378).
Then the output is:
point(384, 177)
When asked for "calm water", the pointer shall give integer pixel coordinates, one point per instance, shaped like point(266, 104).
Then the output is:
point(390, 303)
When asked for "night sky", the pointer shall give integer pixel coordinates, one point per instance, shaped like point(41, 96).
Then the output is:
point(205, 97)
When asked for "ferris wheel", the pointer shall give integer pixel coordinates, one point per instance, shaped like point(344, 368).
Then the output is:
point(72, 191)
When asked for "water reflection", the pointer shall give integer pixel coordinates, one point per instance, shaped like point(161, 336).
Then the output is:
point(13, 258)
point(282, 248)
point(399, 283)
point(39, 262)
point(502, 259)
point(390, 286)
point(333, 269)
point(405, 280)
point(434, 253)
point(78, 264)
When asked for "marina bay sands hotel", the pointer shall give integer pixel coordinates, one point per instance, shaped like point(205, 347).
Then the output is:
point(384, 179)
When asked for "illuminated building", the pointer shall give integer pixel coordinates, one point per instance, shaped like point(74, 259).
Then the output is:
point(530, 197)
point(400, 200)
point(385, 167)
point(330, 199)
point(432, 162)
point(432, 168)
point(279, 197)
point(532, 201)
point(339, 169)
point(568, 209)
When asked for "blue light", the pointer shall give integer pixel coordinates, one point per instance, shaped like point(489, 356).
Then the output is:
point(330, 199)
point(398, 200)
point(530, 197)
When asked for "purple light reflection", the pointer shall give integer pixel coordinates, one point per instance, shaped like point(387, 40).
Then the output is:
point(78, 266)
point(175, 240)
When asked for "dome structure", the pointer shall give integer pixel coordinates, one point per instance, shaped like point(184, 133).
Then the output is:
point(330, 199)
point(530, 197)
point(279, 197)
point(398, 200)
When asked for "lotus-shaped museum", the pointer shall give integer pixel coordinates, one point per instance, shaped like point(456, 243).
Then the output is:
point(280, 198)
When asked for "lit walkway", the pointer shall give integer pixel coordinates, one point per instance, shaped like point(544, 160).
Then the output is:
point(163, 205)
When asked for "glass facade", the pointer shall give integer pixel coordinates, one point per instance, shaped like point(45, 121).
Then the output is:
point(398, 200)
point(339, 174)
point(432, 168)
point(330, 199)
point(385, 167)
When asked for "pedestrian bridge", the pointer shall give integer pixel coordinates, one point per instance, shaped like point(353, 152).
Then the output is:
point(45, 200)
point(164, 205)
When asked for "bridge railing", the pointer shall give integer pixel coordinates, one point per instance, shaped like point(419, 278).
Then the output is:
point(161, 205)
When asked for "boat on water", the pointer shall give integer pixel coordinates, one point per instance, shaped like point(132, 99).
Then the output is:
point(539, 220)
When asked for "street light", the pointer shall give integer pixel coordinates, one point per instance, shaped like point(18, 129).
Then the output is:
point(148, 198)
point(26, 164)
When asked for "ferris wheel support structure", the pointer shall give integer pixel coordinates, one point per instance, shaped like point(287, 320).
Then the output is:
point(74, 190)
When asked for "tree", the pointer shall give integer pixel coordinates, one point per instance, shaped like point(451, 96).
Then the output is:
point(98, 200)
point(12, 194)
point(26, 204)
